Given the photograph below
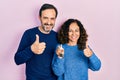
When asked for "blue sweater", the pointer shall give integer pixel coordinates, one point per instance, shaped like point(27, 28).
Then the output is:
point(74, 65)
point(38, 67)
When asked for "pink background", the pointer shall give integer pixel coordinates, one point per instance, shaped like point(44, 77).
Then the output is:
point(101, 18)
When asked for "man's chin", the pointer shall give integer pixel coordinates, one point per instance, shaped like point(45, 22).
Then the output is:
point(47, 31)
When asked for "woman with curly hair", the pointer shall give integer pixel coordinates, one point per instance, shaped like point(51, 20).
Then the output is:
point(73, 57)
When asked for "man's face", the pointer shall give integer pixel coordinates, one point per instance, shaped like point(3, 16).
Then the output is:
point(48, 18)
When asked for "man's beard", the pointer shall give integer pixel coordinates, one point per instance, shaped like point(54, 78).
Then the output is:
point(45, 27)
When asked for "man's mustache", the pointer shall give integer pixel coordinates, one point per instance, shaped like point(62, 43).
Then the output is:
point(48, 24)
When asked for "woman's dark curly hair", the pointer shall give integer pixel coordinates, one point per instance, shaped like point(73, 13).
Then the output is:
point(63, 33)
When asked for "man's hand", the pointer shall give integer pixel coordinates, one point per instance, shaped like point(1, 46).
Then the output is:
point(38, 47)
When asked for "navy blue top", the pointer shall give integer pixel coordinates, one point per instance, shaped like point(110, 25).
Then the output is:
point(38, 67)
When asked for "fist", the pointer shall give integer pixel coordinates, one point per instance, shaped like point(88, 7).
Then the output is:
point(60, 51)
point(87, 51)
point(38, 47)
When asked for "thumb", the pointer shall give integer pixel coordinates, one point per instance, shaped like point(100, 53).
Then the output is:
point(37, 38)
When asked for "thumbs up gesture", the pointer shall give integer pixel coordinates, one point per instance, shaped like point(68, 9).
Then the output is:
point(38, 47)
point(87, 51)
point(60, 51)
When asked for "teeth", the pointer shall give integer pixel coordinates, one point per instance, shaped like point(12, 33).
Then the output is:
point(73, 37)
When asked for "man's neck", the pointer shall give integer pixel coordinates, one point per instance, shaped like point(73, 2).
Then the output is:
point(41, 30)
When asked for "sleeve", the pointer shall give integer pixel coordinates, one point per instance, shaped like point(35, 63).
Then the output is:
point(58, 65)
point(24, 52)
point(94, 63)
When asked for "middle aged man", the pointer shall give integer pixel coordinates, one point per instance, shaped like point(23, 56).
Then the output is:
point(37, 46)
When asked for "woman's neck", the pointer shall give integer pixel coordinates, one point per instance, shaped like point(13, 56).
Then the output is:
point(72, 43)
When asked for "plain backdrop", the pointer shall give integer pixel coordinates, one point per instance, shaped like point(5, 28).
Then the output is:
point(101, 18)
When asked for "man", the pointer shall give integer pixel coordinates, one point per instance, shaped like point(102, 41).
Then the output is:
point(38, 45)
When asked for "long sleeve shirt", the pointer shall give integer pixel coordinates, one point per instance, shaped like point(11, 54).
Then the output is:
point(38, 67)
point(74, 65)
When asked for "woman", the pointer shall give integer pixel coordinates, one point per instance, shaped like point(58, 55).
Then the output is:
point(77, 57)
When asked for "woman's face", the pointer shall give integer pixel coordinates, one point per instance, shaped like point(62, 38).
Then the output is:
point(73, 33)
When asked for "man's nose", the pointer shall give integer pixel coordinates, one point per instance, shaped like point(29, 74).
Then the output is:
point(49, 21)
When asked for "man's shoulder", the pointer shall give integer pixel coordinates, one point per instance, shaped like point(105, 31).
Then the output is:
point(53, 32)
point(31, 29)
